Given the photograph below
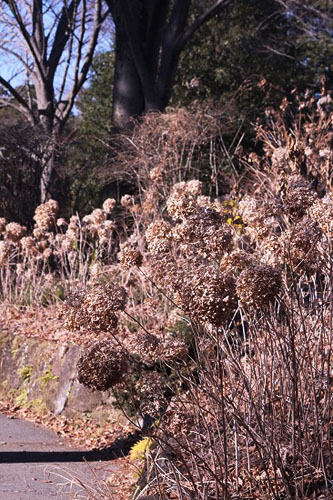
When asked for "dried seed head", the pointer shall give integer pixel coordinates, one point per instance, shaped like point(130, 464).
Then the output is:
point(97, 216)
point(100, 305)
point(129, 256)
point(205, 294)
point(298, 197)
point(159, 237)
point(109, 205)
point(181, 205)
point(105, 229)
point(183, 199)
point(61, 222)
point(322, 212)
point(178, 420)
point(38, 233)
point(301, 244)
point(258, 285)
point(102, 365)
point(235, 261)
point(95, 310)
point(27, 243)
point(127, 201)
point(203, 233)
point(14, 232)
point(45, 214)
point(156, 174)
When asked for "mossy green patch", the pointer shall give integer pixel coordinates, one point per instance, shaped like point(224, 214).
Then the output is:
point(22, 398)
point(46, 377)
point(25, 372)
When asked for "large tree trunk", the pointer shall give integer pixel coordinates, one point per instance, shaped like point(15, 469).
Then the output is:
point(150, 35)
point(128, 98)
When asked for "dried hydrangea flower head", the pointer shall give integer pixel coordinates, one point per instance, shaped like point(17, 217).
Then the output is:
point(171, 348)
point(258, 285)
point(109, 205)
point(39, 233)
point(102, 365)
point(179, 420)
point(322, 212)
point(205, 294)
point(61, 222)
point(150, 388)
point(95, 309)
point(159, 236)
point(204, 233)
point(183, 199)
point(235, 261)
point(45, 214)
point(100, 305)
point(14, 232)
point(156, 174)
point(298, 197)
point(27, 243)
point(105, 229)
point(144, 345)
point(129, 256)
point(127, 201)
point(301, 244)
point(74, 315)
point(97, 216)
point(248, 208)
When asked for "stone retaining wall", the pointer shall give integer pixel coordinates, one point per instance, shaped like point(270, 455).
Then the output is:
point(40, 374)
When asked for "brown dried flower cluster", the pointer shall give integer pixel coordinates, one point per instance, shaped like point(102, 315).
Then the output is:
point(182, 201)
point(298, 197)
point(96, 309)
point(204, 233)
point(258, 285)
point(45, 215)
point(178, 420)
point(301, 245)
point(102, 365)
point(108, 205)
point(14, 232)
point(150, 389)
point(159, 237)
point(5, 251)
point(205, 294)
point(129, 257)
point(322, 212)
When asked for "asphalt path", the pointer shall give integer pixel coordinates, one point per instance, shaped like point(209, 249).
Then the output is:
point(36, 464)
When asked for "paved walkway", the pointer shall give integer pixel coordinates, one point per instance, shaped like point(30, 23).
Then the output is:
point(35, 464)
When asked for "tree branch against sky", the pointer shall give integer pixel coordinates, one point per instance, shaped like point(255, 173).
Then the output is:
point(48, 47)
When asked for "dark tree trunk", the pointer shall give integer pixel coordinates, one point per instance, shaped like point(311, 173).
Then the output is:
point(128, 98)
point(150, 35)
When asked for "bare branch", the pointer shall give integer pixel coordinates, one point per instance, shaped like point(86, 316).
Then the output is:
point(208, 14)
point(23, 105)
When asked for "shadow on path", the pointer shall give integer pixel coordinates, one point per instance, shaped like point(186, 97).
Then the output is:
point(118, 449)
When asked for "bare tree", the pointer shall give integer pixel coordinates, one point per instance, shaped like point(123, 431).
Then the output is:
point(47, 46)
point(315, 17)
point(150, 35)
